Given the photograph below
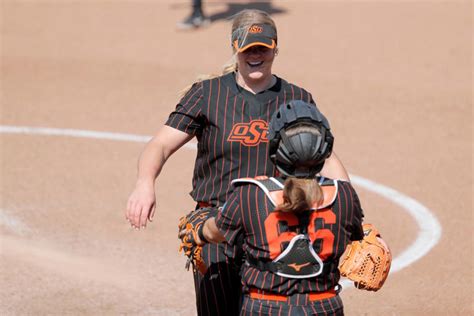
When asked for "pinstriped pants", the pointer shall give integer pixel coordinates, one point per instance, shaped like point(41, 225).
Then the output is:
point(219, 291)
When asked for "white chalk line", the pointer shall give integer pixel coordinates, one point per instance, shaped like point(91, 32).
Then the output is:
point(429, 228)
point(79, 133)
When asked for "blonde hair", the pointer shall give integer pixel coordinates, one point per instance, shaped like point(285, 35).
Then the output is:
point(301, 194)
point(241, 23)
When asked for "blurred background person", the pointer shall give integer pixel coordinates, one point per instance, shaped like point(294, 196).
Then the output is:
point(196, 19)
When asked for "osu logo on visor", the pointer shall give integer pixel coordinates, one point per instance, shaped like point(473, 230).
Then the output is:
point(255, 29)
point(249, 134)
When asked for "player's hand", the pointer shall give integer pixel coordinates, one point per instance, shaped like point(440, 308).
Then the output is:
point(141, 205)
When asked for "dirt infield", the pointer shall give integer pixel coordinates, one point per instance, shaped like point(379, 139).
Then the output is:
point(394, 78)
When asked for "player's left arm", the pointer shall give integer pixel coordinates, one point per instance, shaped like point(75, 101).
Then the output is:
point(227, 224)
point(334, 169)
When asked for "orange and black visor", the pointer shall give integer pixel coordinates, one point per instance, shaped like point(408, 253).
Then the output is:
point(255, 35)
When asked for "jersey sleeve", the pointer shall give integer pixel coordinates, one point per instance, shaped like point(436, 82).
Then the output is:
point(187, 117)
point(355, 212)
point(229, 220)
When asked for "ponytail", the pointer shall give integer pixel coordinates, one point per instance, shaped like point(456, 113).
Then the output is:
point(300, 195)
point(231, 66)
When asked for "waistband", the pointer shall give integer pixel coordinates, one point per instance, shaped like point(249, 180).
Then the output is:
point(314, 296)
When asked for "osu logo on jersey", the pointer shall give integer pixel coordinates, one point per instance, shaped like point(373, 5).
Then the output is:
point(255, 29)
point(249, 134)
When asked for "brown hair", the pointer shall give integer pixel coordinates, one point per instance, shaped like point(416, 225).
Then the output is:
point(301, 194)
point(241, 21)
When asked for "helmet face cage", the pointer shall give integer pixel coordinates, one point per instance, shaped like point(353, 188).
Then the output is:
point(303, 154)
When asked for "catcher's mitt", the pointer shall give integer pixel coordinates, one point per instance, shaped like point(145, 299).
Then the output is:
point(189, 231)
point(367, 261)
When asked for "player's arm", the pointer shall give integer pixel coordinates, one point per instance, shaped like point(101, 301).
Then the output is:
point(334, 169)
point(141, 203)
point(226, 225)
point(211, 232)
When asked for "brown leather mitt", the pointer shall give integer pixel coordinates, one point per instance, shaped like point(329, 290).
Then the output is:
point(190, 231)
point(367, 261)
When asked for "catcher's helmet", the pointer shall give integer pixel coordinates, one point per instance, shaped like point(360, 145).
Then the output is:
point(301, 154)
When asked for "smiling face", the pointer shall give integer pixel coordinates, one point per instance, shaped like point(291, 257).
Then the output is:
point(255, 64)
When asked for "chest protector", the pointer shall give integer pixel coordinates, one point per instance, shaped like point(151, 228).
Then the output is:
point(298, 260)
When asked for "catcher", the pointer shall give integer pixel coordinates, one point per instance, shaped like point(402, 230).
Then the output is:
point(296, 227)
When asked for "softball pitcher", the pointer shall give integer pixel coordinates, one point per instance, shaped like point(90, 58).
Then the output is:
point(229, 117)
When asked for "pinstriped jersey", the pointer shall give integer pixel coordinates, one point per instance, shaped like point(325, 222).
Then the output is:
point(250, 211)
point(230, 124)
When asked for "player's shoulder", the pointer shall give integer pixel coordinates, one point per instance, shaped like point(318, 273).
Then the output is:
point(260, 188)
point(346, 192)
point(219, 82)
point(263, 182)
point(217, 79)
point(292, 85)
point(194, 90)
point(241, 189)
point(204, 82)
point(344, 184)
point(296, 92)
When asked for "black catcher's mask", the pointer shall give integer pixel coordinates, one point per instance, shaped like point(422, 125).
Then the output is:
point(303, 154)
